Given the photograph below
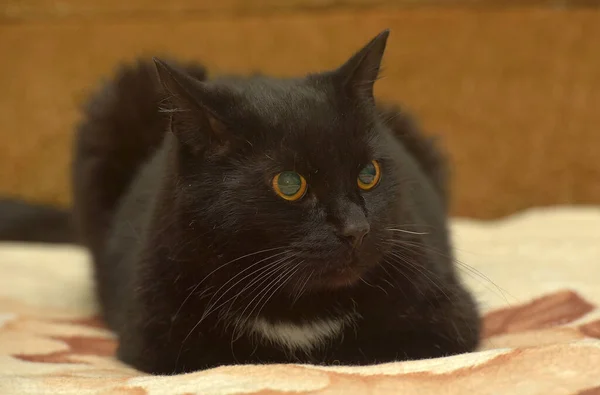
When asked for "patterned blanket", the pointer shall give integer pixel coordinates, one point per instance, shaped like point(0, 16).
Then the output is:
point(536, 275)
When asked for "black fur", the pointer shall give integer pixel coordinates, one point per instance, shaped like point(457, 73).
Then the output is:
point(182, 221)
point(31, 222)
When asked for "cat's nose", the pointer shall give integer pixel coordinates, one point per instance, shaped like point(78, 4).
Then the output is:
point(355, 232)
point(350, 220)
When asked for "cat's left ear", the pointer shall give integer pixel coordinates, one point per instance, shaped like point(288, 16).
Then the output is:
point(195, 114)
point(358, 75)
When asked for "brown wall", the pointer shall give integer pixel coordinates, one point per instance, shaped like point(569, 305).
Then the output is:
point(515, 92)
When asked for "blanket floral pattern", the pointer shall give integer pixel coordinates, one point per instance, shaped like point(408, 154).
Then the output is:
point(536, 277)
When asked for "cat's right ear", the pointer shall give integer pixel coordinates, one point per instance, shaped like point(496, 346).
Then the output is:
point(358, 75)
point(194, 121)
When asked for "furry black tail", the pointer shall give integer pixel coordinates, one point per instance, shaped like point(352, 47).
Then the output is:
point(30, 222)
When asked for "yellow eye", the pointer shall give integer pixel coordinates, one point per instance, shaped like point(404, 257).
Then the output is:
point(289, 185)
point(369, 176)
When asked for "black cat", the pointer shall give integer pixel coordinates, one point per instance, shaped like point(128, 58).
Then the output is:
point(262, 220)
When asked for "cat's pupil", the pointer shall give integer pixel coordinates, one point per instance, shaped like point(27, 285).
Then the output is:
point(367, 174)
point(289, 183)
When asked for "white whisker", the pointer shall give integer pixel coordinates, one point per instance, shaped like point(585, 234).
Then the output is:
point(242, 317)
point(410, 232)
point(212, 307)
point(219, 268)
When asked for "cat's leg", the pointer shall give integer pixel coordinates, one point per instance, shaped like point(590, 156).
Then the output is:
point(162, 326)
point(441, 327)
point(156, 342)
point(151, 352)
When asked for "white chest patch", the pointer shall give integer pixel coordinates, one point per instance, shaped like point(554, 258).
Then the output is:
point(305, 336)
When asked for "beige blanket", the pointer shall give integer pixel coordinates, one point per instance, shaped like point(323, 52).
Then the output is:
point(537, 276)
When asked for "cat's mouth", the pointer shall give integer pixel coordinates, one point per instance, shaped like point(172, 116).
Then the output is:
point(342, 269)
point(342, 275)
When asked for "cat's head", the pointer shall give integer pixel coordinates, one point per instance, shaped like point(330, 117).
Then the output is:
point(297, 174)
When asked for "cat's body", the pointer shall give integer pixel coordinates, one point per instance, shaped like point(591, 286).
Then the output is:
point(199, 263)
